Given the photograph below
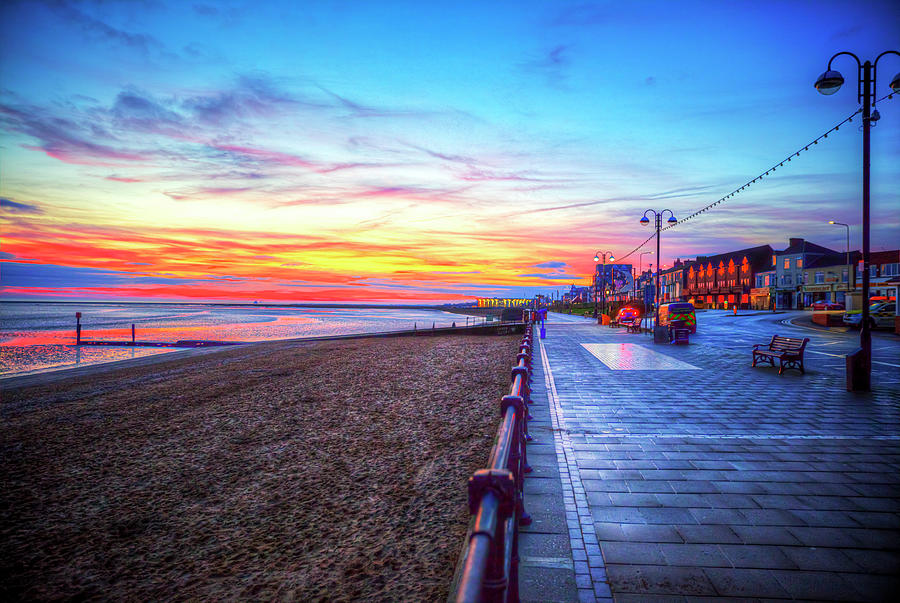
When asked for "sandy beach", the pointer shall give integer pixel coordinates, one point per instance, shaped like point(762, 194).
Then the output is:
point(318, 471)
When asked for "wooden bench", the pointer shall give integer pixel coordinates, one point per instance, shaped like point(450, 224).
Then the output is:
point(788, 350)
point(632, 325)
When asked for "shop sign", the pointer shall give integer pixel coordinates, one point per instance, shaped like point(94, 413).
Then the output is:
point(759, 292)
point(816, 288)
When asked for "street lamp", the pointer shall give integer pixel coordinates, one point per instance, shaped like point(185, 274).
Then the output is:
point(859, 377)
point(601, 255)
point(847, 226)
point(641, 261)
point(658, 337)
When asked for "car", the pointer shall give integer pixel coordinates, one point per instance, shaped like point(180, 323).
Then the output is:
point(628, 314)
point(881, 314)
point(824, 305)
point(683, 311)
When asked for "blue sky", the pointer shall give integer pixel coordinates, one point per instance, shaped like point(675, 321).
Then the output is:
point(407, 151)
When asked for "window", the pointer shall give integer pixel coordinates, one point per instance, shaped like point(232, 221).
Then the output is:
point(805, 278)
point(890, 269)
point(845, 276)
point(759, 281)
point(820, 278)
point(787, 280)
point(799, 262)
point(774, 261)
point(787, 263)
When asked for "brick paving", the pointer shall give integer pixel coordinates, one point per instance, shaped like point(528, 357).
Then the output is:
point(721, 483)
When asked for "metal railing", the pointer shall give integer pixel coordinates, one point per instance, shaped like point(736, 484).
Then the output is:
point(490, 565)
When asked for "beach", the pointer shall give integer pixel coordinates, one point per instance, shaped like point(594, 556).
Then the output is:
point(305, 471)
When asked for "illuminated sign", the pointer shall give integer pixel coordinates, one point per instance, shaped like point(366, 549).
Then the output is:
point(495, 302)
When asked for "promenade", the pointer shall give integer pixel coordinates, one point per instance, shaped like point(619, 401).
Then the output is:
point(677, 473)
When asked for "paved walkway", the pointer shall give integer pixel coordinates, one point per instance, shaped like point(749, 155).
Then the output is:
point(673, 473)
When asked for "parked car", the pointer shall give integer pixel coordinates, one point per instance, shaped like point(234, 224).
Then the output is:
point(682, 311)
point(881, 314)
point(824, 305)
point(628, 314)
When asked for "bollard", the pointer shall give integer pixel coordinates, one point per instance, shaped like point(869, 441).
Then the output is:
point(78, 328)
point(132, 333)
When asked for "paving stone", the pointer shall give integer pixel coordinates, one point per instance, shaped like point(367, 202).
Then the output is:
point(828, 559)
point(547, 584)
point(694, 555)
point(758, 556)
point(645, 598)
point(765, 535)
point(709, 534)
point(632, 532)
point(873, 587)
point(875, 562)
point(746, 583)
point(816, 586)
point(652, 579)
point(541, 485)
point(641, 553)
point(720, 516)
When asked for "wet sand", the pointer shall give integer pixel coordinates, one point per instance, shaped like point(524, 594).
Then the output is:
point(318, 471)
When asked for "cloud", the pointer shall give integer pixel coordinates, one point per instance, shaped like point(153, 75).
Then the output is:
point(63, 138)
point(19, 208)
point(550, 265)
point(138, 111)
point(100, 30)
point(555, 277)
point(553, 64)
point(252, 95)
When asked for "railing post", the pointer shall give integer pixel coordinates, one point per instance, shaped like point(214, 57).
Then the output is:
point(516, 461)
point(502, 484)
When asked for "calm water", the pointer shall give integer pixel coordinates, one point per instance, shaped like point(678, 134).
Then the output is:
point(41, 336)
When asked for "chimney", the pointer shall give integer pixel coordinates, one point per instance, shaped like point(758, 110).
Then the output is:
point(795, 242)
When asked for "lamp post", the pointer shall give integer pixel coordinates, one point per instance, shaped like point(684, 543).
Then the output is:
point(847, 226)
point(658, 336)
point(859, 363)
point(601, 255)
point(641, 261)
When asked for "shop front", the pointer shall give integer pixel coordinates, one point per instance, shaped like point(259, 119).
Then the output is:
point(815, 293)
point(761, 298)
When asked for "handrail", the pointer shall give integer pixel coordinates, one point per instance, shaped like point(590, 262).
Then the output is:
point(490, 568)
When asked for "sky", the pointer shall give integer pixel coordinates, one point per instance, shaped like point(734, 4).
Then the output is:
point(421, 152)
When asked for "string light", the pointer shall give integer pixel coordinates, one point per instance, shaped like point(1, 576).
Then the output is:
point(757, 178)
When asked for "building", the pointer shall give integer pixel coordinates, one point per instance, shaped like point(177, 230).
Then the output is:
point(829, 278)
point(578, 295)
point(645, 288)
point(617, 283)
point(789, 265)
point(725, 280)
point(884, 277)
point(762, 296)
point(673, 281)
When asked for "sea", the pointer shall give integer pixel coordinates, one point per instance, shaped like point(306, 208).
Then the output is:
point(40, 336)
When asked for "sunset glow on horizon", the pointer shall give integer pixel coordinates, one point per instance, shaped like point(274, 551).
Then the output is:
point(402, 152)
